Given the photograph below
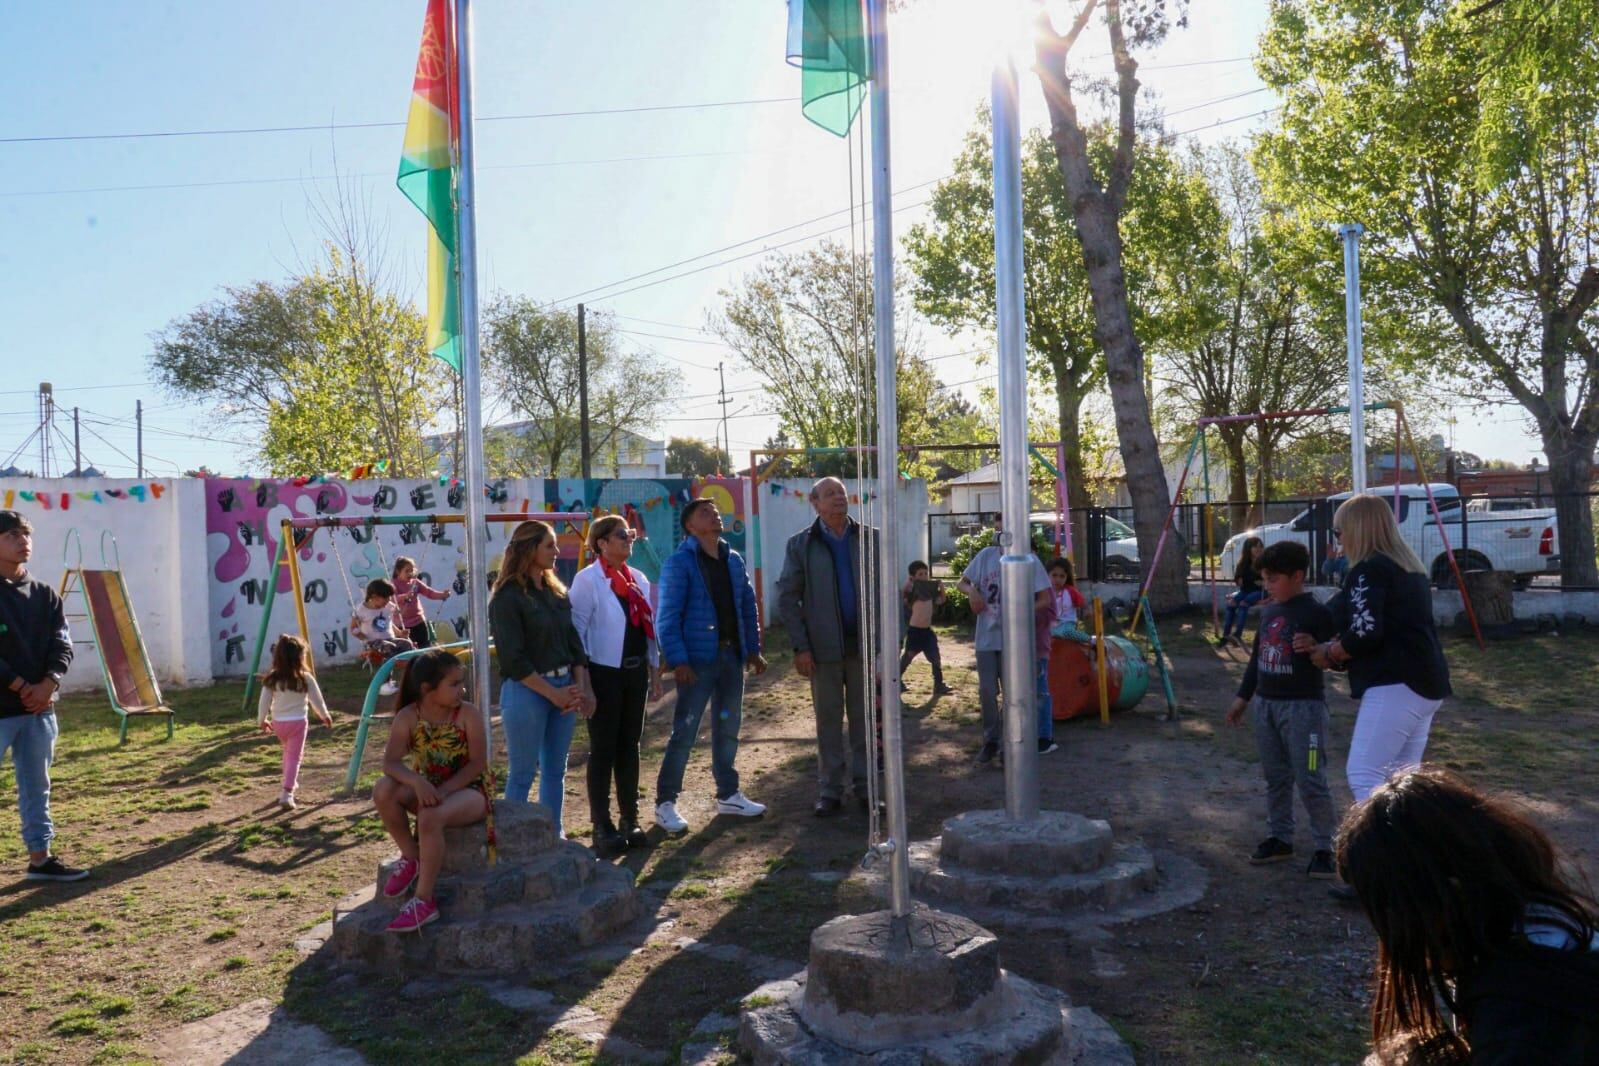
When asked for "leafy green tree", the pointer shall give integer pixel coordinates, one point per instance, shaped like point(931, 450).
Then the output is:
point(692, 457)
point(1464, 139)
point(328, 369)
point(803, 322)
point(530, 356)
point(1098, 196)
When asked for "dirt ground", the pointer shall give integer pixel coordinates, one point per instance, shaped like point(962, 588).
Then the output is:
point(201, 887)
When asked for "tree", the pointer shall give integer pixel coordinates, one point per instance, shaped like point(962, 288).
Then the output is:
point(692, 457)
point(531, 357)
point(1254, 339)
point(1477, 179)
point(803, 322)
point(1098, 200)
point(329, 368)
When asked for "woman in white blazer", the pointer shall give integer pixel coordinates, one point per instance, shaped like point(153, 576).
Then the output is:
point(613, 614)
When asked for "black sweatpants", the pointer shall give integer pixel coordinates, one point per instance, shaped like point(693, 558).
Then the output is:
point(614, 735)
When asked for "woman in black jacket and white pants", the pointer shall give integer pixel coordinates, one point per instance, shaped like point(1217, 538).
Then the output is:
point(1387, 641)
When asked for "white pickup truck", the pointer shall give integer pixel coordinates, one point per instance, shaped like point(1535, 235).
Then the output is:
point(1525, 542)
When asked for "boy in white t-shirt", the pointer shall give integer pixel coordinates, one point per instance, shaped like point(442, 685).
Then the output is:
point(980, 584)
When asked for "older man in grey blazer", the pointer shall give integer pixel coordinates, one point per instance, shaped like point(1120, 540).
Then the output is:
point(825, 603)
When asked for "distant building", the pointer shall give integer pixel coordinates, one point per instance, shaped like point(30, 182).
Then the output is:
point(625, 455)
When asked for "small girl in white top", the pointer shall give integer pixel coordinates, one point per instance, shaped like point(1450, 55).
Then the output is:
point(287, 690)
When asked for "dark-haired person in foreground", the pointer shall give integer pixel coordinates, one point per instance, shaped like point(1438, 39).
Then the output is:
point(1487, 946)
point(35, 651)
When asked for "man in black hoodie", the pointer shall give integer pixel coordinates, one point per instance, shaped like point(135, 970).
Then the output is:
point(35, 650)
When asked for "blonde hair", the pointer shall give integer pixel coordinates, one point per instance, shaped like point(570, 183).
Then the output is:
point(603, 527)
point(1366, 527)
point(518, 566)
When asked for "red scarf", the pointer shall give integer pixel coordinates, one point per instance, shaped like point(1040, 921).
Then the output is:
point(638, 608)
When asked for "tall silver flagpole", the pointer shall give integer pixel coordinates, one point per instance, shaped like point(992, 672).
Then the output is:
point(899, 880)
point(477, 535)
point(1016, 573)
point(1351, 232)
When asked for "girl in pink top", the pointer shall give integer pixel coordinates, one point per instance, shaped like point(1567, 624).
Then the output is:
point(408, 593)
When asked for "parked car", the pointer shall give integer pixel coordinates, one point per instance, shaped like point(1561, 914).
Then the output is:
point(1500, 503)
point(1525, 541)
point(1120, 545)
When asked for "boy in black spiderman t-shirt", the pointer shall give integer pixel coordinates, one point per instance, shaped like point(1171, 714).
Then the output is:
point(1290, 709)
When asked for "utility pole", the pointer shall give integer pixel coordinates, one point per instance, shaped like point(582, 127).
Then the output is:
point(1350, 232)
point(583, 391)
point(138, 423)
point(47, 403)
point(727, 440)
point(77, 446)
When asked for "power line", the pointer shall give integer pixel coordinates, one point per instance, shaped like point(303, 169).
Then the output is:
point(326, 126)
point(80, 388)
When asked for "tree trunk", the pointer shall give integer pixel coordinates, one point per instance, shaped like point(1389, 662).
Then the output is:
point(1237, 481)
point(1492, 596)
point(1124, 372)
point(1570, 475)
point(1069, 405)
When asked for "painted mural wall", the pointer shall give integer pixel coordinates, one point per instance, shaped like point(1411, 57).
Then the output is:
point(244, 521)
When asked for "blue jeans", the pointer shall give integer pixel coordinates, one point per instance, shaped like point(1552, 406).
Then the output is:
point(721, 684)
point(1046, 706)
point(1238, 605)
point(31, 739)
point(538, 736)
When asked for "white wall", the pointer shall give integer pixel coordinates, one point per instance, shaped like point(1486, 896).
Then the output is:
point(788, 510)
point(158, 526)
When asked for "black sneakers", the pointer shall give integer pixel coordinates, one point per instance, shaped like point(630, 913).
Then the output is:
point(988, 752)
point(1271, 850)
point(1045, 746)
point(53, 869)
point(942, 689)
point(635, 837)
point(1321, 866)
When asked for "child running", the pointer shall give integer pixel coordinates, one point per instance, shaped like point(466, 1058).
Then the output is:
point(435, 766)
point(408, 593)
point(288, 690)
point(1246, 575)
point(1290, 709)
point(376, 624)
point(921, 595)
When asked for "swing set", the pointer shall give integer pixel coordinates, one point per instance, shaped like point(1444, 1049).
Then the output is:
point(1200, 447)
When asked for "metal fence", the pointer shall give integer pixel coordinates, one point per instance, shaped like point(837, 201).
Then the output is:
point(1518, 533)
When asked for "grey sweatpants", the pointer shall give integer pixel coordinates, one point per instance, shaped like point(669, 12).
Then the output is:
point(838, 689)
point(1291, 736)
point(990, 665)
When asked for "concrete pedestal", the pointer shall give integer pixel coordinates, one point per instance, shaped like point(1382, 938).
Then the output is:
point(924, 989)
point(545, 899)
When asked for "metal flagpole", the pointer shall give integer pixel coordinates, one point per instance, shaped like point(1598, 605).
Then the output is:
point(1016, 568)
point(471, 376)
point(1357, 385)
point(899, 879)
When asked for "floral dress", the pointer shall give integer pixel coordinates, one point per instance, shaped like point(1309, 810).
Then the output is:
point(439, 750)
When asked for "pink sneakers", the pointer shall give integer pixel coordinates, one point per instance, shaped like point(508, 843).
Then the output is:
point(413, 916)
point(403, 877)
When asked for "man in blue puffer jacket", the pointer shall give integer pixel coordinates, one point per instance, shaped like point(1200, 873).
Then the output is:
point(709, 632)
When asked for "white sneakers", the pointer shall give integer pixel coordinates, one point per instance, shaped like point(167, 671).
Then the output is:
point(669, 820)
point(286, 801)
point(389, 688)
point(740, 805)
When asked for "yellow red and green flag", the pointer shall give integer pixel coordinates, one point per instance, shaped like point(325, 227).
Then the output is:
point(427, 173)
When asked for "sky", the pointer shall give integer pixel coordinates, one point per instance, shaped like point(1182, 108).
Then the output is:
point(109, 238)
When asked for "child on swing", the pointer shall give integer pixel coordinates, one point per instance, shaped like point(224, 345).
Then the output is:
point(1246, 575)
point(436, 767)
point(408, 593)
point(288, 691)
point(376, 624)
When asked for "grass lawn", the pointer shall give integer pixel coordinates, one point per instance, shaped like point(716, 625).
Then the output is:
point(201, 885)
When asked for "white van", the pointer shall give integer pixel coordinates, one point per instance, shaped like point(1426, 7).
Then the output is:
point(1525, 541)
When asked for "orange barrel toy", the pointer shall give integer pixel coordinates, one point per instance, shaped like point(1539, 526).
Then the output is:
point(1074, 686)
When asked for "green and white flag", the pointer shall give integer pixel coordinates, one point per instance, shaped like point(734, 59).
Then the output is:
point(827, 41)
